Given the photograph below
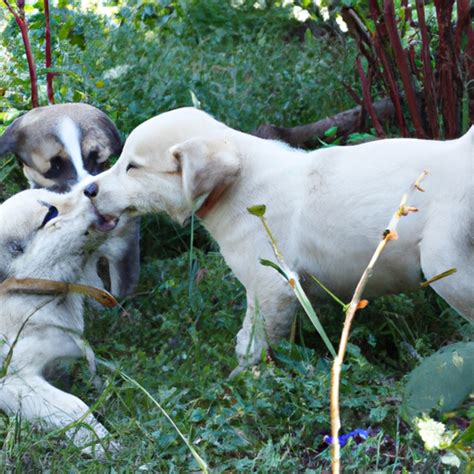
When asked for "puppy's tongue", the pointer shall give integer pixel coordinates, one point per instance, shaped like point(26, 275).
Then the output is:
point(105, 223)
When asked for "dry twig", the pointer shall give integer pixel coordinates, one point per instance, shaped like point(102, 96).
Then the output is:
point(39, 286)
point(355, 304)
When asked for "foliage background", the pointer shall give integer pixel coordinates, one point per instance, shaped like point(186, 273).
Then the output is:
point(246, 66)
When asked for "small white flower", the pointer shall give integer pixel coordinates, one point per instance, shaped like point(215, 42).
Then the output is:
point(324, 13)
point(341, 23)
point(300, 14)
point(433, 434)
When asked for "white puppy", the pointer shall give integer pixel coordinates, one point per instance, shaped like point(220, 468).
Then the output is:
point(49, 236)
point(327, 210)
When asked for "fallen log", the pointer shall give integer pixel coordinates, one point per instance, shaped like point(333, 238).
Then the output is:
point(347, 122)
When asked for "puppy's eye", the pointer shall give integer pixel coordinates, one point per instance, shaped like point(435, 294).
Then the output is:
point(131, 166)
point(51, 214)
point(56, 168)
point(15, 248)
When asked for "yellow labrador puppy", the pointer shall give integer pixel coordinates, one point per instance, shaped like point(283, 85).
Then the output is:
point(49, 236)
point(326, 208)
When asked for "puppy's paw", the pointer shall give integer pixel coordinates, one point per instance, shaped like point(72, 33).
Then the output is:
point(249, 348)
point(237, 371)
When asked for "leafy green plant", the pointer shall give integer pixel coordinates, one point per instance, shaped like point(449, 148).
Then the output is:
point(441, 382)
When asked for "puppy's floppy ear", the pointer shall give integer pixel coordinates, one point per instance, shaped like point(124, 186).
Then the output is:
point(206, 164)
point(9, 139)
point(110, 130)
point(100, 140)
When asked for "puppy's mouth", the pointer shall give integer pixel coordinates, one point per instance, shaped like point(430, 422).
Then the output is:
point(105, 223)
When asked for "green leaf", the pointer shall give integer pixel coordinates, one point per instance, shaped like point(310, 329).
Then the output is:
point(269, 263)
point(330, 132)
point(358, 137)
point(196, 102)
point(309, 310)
point(466, 438)
point(329, 292)
point(441, 382)
point(257, 210)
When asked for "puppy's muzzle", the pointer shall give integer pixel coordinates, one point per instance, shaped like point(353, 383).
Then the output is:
point(102, 223)
point(105, 223)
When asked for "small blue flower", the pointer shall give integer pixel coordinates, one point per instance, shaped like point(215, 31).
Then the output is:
point(359, 435)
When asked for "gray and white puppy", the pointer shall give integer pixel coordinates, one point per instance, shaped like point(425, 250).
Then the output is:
point(49, 236)
point(61, 145)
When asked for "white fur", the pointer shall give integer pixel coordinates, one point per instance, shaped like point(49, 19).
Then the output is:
point(327, 210)
point(69, 134)
point(38, 330)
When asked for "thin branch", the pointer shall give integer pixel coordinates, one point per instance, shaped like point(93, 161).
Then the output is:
point(47, 39)
point(368, 100)
point(428, 78)
point(390, 82)
point(389, 15)
point(463, 24)
point(449, 86)
point(356, 303)
point(23, 25)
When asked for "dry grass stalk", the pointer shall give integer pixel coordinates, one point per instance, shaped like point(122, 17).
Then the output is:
point(49, 287)
point(355, 304)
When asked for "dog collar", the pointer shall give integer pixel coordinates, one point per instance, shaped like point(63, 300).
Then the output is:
point(210, 201)
point(37, 286)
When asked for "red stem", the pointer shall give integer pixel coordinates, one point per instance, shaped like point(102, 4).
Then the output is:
point(352, 93)
point(428, 78)
point(23, 25)
point(469, 67)
point(463, 23)
point(389, 77)
point(47, 37)
point(367, 99)
point(464, 26)
point(389, 14)
point(447, 67)
point(360, 33)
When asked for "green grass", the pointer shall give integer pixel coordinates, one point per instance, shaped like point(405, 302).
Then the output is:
point(271, 418)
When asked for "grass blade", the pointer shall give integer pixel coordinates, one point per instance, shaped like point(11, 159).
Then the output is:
point(202, 464)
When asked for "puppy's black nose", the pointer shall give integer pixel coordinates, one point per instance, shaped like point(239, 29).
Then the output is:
point(91, 190)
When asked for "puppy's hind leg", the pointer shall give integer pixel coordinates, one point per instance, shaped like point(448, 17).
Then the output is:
point(40, 403)
point(453, 248)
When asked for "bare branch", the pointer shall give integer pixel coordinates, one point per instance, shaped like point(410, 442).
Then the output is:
point(23, 25)
point(389, 234)
point(368, 100)
point(47, 39)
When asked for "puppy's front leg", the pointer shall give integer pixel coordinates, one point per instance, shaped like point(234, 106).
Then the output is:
point(124, 261)
point(39, 402)
point(270, 310)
